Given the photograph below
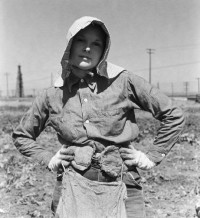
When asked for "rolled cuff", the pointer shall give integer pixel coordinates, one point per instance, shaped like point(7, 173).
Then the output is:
point(143, 162)
point(44, 158)
point(156, 156)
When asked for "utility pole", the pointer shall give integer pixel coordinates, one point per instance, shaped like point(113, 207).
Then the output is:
point(33, 92)
point(150, 51)
point(198, 85)
point(51, 79)
point(7, 74)
point(172, 86)
point(186, 88)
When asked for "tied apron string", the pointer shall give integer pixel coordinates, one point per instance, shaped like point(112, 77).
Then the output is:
point(121, 173)
point(61, 174)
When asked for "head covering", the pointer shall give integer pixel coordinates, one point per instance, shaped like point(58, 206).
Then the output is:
point(103, 68)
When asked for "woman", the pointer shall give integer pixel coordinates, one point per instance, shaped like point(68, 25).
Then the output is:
point(91, 107)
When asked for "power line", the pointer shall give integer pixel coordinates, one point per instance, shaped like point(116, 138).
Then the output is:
point(39, 79)
point(161, 49)
point(169, 66)
point(191, 46)
point(43, 78)
point(176, 65)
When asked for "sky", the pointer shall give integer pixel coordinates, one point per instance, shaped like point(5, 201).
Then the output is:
point(33, 35)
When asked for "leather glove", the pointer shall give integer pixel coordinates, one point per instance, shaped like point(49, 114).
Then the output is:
point(111, 161)
point(62, 158)
point(133, 157)
point(82, 157)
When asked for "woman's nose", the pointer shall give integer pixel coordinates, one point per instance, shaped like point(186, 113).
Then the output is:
point(87, 49)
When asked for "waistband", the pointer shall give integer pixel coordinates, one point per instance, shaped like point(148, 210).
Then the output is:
point(130, 178)
point(95, 174)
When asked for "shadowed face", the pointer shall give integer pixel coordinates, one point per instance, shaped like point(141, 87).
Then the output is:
point(87, 47)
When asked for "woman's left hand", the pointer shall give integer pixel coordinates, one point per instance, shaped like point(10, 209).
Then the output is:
point(133, 157)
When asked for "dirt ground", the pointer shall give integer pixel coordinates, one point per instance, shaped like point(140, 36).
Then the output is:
point(171, 189)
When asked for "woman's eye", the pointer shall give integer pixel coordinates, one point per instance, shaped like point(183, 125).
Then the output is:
point(97, 44)
point(79, 40)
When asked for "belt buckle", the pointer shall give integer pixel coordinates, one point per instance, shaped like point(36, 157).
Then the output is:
point(95, 162)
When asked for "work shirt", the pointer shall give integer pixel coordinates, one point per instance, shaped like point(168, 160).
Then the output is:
point(98, 111)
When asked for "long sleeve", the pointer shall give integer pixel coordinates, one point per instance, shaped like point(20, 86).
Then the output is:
point(171, 118)
point(30, 127)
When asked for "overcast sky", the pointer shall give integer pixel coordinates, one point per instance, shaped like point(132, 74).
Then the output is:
point(33, 35)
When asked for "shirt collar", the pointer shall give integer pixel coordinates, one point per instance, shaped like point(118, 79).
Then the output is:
point(110, 71)
point(71, 80)
point(89, 79)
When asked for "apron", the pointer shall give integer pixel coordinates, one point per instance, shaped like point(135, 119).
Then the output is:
point(84, 198)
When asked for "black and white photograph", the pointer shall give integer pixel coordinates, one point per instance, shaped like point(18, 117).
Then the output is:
point(99, 108)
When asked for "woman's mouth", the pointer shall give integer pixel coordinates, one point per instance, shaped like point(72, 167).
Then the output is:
point(85, 57)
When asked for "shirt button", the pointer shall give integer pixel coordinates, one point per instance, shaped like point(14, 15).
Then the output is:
point(85, 100)
point(87, 121)
point(82, 80)
point(163, 155)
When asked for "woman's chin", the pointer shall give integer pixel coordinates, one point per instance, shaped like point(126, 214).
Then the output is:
point(85, 68)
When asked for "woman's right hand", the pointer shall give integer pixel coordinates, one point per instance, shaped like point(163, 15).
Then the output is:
point(62, 158)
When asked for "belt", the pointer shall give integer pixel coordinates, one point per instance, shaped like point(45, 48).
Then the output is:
point(131, 178)
point(95, 174)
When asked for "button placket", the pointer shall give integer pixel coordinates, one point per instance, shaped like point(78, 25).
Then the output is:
point(83, 93)
point(85, 106)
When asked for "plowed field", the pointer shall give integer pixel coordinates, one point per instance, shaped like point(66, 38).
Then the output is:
point(171, 189)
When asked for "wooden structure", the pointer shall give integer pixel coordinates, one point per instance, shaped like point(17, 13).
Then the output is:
point(19, 86)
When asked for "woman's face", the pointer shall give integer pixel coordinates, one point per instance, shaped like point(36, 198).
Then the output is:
point(87, 48)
